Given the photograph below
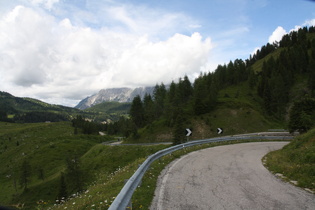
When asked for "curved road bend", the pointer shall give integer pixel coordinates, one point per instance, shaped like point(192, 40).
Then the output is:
point(227, 177)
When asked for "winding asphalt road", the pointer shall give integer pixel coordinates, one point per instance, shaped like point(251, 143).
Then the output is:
point(227, 177)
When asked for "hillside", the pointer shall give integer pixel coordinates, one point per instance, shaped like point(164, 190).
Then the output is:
point(34, 157)
point(29, 110)
point(14, 104)
point(238, 111)
point(109, 111)
point(44, 146)
point(241, 97)
point(32, 110)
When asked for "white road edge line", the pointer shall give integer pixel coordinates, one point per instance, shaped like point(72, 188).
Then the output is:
point(164, 180)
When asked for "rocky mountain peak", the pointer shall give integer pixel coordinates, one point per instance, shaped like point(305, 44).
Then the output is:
point(114, 94)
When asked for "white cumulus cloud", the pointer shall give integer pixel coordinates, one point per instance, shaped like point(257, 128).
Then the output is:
point(277, 35)
point(149, 62)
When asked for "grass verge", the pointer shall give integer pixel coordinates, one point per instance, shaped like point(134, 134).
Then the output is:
point(296, 161)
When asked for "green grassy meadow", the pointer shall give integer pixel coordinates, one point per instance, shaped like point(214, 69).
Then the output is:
point(47, 146)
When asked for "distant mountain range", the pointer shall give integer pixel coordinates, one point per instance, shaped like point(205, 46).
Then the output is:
point(114, 94)
point(29, 110)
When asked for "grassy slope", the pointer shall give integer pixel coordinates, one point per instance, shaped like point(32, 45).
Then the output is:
point(110, 107)
point(257, 66)
point(239, 111)
point(108, 110)
point(46, 146)
point(296, 161)
point(112, 165)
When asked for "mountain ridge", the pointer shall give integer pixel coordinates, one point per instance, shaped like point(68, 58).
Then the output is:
point(121, 95)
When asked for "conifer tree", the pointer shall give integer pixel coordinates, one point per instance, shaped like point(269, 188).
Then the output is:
point(267, 98)
point(137, 112)
point(302, 115)
point(63, 193)
point(159, 95)
point(74, 173)
point(25, 174)
point(252, 78)
point(279, 95)
point(179, 129)
point(170, 105)
point(185, 89)
point(212, 93)
point(148, 107)
point(200, 103)
point(41, 174)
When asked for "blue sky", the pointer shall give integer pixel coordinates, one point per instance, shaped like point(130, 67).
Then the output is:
point(61, 51)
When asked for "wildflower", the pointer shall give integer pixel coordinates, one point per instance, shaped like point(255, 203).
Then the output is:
point(73, 203)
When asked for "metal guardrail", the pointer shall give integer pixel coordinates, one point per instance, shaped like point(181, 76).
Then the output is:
point(277, 130)
point(123, 198)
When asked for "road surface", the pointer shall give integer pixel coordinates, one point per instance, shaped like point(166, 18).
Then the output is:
point(227, 177)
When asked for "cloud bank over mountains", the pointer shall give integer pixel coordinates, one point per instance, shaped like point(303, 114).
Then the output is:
point(58, 59)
